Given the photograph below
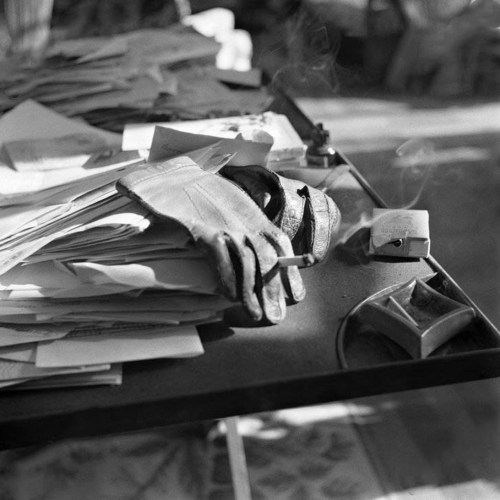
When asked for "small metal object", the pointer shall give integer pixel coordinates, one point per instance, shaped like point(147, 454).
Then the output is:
point(321, 152)
point(397, 243)
point(305, 260)
point(416, 316)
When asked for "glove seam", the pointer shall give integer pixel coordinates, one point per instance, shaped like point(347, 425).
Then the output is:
point(204, 192)
point(151, 175)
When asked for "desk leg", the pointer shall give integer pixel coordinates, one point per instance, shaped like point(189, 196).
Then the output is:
point(237, 461)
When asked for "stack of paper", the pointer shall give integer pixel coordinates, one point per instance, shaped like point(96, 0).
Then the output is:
point(136, 76)
point(123, 71)
point(88, 280)
point(205, 91)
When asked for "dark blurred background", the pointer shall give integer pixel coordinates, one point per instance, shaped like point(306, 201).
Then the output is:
point(420, 47)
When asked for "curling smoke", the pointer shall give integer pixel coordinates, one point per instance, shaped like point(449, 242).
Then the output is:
point(418, 158)
point(310, 55)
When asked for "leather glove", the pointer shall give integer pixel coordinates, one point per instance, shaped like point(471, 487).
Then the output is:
point(308, 216)
point(240, 241)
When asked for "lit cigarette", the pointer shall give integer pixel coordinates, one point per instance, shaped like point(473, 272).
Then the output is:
point(304, 260)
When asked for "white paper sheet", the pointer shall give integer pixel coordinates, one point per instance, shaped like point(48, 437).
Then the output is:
point(287, 146)
point(172, 318)
point(17, 248)
point(31, 120)
point(45, 275)
point(160, 342)
point(24, 334)
point(23, 353)
point(12, 370)
point(194, 275)
point(68, 151)
point(113, 376)
point(145, 302)
point(169, 143)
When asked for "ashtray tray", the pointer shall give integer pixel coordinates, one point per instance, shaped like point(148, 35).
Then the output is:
point(412, 320)
point(416, 317)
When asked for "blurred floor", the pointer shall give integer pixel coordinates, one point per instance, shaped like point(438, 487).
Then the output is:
point(433, 444)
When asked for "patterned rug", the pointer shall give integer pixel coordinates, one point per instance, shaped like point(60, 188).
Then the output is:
point(310, 453)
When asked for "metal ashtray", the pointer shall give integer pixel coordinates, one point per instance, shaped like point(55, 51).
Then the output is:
point(417, 317)
point(426, 316)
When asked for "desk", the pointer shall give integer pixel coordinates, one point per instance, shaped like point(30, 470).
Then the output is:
point(249, 370)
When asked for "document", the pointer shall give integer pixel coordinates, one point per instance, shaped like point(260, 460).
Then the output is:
point(156, 242)
point(12, 370)
point(286, 146)
point(145, 302)
point(22, 353)
point(113, 376)
point(67, 151)
point(95, 346)
point(31, 121)
point(195, 275)
point(17, 248)
point(24, 334)
point(95, 75)
point(169, 143)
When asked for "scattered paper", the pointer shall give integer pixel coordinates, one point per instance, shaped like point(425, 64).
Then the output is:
point(31, 120)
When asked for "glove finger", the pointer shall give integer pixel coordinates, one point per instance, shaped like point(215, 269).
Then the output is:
point(290, 275)
point(306, 215)
point(214, 246)
point(293, 206)
point(244, 263)
point(236, 269)
point(273, 298)
point(321, 221)
point(268, 285)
